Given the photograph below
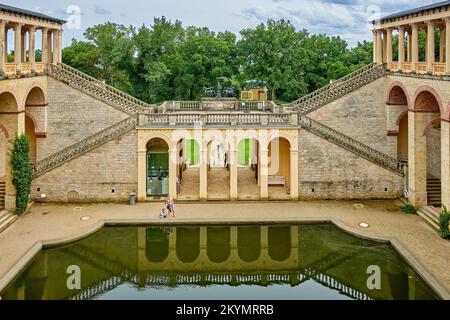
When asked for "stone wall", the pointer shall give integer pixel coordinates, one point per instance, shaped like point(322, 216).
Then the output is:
point(327, 171)
point(72, 116)
point(106, 174)
point(434, 152)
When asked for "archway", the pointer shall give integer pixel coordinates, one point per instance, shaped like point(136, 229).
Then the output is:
point(35, 98)
point(218, 156)
point(279, 178)
point(248, 173)
point(402, 138)
point(30, 132)
point(424, 148)
point(157, 168)
point(397, 96)
point(188, 169)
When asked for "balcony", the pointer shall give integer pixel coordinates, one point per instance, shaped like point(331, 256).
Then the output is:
point(12, 69)
point(439, 69)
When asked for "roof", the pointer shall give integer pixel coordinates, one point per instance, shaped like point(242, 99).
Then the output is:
point(4, 7)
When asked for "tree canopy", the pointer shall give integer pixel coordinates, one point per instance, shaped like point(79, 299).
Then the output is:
point(167, 61)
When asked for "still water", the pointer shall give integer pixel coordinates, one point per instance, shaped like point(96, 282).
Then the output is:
point(220, 262)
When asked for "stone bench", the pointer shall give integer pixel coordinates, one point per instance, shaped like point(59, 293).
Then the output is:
point(277, 181)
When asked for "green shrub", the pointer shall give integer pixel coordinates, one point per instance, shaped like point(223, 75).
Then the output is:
point(444, 220)
point(409, 209)
point(21, 172)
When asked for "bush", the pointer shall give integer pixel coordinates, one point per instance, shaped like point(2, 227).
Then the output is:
point(444, 220)
point(409, 209)
point(21, 172)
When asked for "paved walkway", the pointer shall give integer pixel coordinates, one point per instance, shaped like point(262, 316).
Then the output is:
point(52, 222)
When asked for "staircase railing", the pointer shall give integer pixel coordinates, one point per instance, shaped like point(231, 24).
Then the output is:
point(352, 145)
point(97, 89)
point(337, 89)
point(83, 146)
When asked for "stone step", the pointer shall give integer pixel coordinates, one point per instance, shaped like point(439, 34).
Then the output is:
point(432, 213)
point(428, 220)
point(8, 220)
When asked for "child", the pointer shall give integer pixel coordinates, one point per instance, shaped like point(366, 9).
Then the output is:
point(163, 214)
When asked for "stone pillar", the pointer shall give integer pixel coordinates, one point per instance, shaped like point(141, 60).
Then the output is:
point(60, 46)
point(3, 47)
point(264, 174)
point(430, 46)
point(55, 46)
point(384, 46)
point(233, 174)
point(389, 50)
point(415, 45)
point(445, 162)
point(204, 174)
point(32, 46)
point(417, 157)
point(173, 172)
point(18, 45)
point(50, 46)
point(409, 45)
point(374, 32)
point(401, 47)
point(447, 44)
point(142, 175)
point(24, 45)
point(294, 174)
point(44, 45)
point(379, 48)
point(442, 44)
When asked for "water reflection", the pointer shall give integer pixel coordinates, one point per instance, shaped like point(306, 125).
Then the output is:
point(295, 262)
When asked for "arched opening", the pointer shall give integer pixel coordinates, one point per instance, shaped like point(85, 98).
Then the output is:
point(35, 98)
point(397, 96)
point(218, 155)
point(249, 243)
point(218, 244)
point(188, 244)
point(9, 125)
point(157, 168)
point(427, 139)
point(30, 132)
point(8, 103)
point(248, 159)
point(188, 169)
point(157, 244)
point(279, 243)
point(402, 138)
point(279, 169)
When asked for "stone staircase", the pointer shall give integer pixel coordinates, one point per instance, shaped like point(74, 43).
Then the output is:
point(2, 194)
point(352, 145)
point(97, 89)
point(434, 192)
point(431, 216)
point(337, 89)
point(83, 146)
point(6, 219)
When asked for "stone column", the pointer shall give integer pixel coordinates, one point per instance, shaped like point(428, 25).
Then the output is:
point(401, 47)
point(142, 175)
point(49, 45)
point(24, 45)
point(379, 48)
point(55, 46)
point(32, 46)
point(45, 45)
point(409, 55)
point(3, 47)
point(60, 46)
point(417, 143)
point(442, 44)
point(389, 46)
point(264, 174)
point(204, 174)
point(415, 45)
point(233, 174)
point(447, 44)
point(445, 162)
point(294, 174)
point(173, 172)
point(384, 46)
point(374, 32)
point(430, 46)
point(18, 45)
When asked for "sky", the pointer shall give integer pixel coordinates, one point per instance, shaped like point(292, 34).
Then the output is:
point(345, 18)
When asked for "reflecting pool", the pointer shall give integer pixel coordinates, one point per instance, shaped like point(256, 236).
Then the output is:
point(220, 262)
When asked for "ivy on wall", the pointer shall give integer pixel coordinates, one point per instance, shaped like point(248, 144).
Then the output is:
point(21, 172)
point(444, 221)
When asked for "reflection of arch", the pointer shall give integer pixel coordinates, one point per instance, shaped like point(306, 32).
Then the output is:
point(157, 248)
point(249, 243)
point(35, 97)
point(280, 242)
point(397, 94)
point(188, 244)
point(8, 103)
point(218, 244)
point(426, 99)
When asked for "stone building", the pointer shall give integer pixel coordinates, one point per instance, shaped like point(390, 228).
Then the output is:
point(379, 133)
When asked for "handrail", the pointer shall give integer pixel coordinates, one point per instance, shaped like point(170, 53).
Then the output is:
point(83, 146)
point(117, 98)
point(353, 145)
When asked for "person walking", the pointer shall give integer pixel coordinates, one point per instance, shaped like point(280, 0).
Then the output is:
point(170, 205)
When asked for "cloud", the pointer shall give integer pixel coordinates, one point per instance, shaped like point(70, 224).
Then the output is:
point(102, 11)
